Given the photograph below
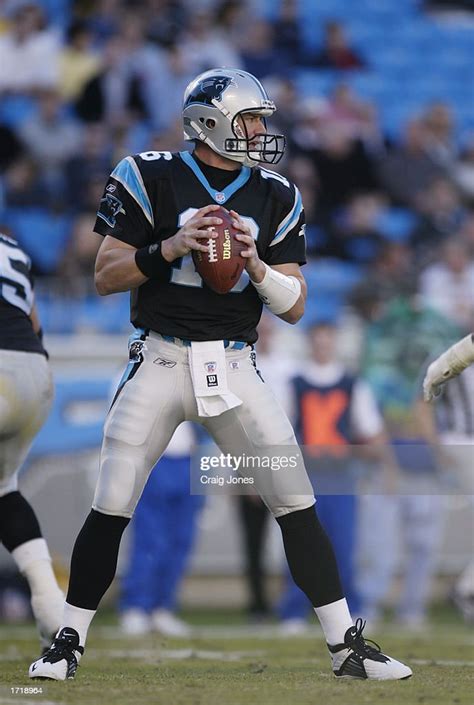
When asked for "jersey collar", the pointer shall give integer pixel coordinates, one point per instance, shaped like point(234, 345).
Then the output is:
point(217, 196)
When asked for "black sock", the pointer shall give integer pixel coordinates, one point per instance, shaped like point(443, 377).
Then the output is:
point(310, 557)
point(94, 559)
point(18, 522)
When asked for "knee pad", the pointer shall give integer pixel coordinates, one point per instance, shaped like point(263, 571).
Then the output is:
point(122, 477)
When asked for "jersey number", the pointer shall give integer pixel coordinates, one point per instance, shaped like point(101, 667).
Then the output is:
point(186, 275)
point(15, 286)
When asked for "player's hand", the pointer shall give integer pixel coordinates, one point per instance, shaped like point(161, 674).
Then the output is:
point(191, 235)
point(253, 265)
point(434, 380)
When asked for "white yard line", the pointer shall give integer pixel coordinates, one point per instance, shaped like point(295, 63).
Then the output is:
point(155, 655)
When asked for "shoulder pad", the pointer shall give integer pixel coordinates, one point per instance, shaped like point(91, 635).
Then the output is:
point(281, 188)
point(154, 165)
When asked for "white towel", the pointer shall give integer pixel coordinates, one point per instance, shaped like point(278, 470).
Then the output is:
point(209, 375)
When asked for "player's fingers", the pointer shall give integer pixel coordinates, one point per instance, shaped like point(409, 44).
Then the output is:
point(244, 237)
point(200, 223)
point(207, 209)
point(240, 225)
point(195, 244)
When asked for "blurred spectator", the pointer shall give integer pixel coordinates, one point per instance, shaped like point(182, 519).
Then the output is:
point(463, 170)
point(409, 168)
point(94, 160)
point(408, 523)
point(287, 32)
point(466, 231)
point(11, 146)
point(23, 186)
point(29, 52)
point(305, 133)
point(287, 101)
point(166, 21)
point(357, 115)
point(77, 267)
point(52, 139)
point(169, 77)
point(336, 52)
point(343, 164)
point(301, 171)
point(391, 274)
point(353, 235)
point(78, 63)
point(439, 132)
point(260, 55)
point(441, 214)
point(113, 95)
point(448, 284)
point(204, 47)
point(103, 19)
point(171, 140)
point(449, 5)
point(333, 410)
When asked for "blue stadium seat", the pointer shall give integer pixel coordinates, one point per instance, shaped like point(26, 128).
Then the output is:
point(43, 235)
point(15, 109)
point(396, 224)
point(331, 278)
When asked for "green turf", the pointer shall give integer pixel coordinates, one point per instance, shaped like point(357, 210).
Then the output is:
point(212, 670)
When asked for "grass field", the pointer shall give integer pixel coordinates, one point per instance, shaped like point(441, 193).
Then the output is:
point(227, 663)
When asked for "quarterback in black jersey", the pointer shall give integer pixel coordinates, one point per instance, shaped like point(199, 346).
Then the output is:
point(26, 393)
point(192, 357)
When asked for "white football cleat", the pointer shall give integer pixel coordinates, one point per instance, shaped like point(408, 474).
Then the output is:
point(167, 624)
point(61, 660)
point(355, 658)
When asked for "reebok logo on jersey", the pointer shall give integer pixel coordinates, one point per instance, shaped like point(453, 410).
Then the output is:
point(164, 363)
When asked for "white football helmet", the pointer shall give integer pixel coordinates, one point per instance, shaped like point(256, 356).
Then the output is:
point(212, 104)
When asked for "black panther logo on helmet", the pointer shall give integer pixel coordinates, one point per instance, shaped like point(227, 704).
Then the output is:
point(209, 89)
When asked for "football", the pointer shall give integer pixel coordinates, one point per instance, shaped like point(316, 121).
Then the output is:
point(221, 267)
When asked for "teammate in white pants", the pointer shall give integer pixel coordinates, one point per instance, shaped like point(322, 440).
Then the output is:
point(26, 393)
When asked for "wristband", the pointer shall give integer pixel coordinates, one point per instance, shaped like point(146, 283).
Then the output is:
point(151, 263)
point(278, 291)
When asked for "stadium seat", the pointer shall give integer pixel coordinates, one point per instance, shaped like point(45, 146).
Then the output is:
point(43, 235)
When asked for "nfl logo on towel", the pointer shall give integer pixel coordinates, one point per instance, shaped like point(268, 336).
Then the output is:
point(210, 366)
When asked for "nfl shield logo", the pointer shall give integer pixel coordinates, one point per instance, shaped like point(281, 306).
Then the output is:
point(210, 366)
point(219, 197)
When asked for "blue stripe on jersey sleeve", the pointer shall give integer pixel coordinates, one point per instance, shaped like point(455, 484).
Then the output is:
point(128, 174)
point(290, 221)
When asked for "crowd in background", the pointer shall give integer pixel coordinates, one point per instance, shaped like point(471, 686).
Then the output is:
point(82, 87)
point(389, 204)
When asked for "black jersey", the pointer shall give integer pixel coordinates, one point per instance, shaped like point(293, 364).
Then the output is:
point(150, 196)
point(16, 299)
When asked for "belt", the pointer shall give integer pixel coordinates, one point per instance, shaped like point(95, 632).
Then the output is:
point(230, 344)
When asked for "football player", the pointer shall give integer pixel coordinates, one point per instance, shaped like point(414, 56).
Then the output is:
point(448, 365)
point(26, 393)
point(157, 207)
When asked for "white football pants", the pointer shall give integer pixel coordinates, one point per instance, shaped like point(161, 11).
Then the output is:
point(26, 394)
point(158, 396)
